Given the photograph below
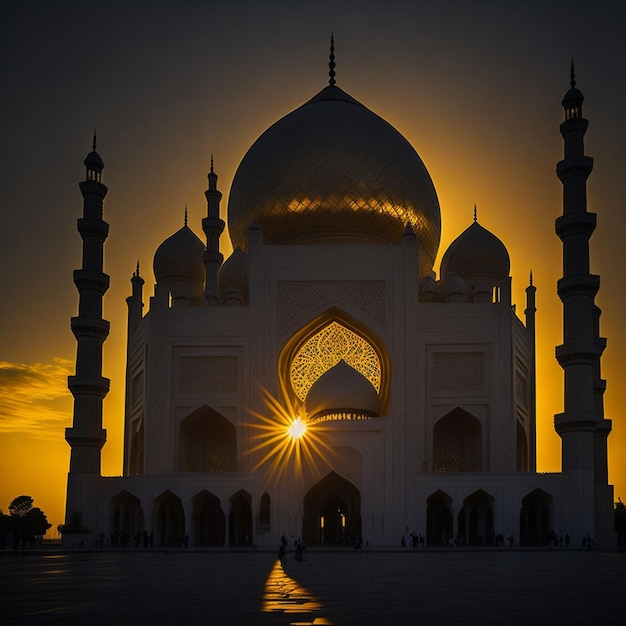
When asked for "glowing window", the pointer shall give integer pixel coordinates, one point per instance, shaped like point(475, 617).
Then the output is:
point(325, 349)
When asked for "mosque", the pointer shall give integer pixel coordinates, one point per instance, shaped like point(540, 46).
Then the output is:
point(324, 382)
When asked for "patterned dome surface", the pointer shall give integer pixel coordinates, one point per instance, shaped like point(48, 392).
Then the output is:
point(332, 171)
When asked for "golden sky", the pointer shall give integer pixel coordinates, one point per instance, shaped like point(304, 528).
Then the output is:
point(474, 86)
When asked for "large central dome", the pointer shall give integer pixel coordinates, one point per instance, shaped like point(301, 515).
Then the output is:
point(332, 171)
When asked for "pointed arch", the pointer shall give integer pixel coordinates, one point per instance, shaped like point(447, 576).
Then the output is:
point(127, 517)
point(265, 514)
point(208, 442)
point(475, 520)
point(332, 511)
point(438, 518)
point(168, 519)
point(536, 518)
point(208, 523)
point(349, 340)
point(240, 530)
point(457, 443)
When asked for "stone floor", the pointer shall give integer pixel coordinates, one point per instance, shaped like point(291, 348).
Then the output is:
point(440, 587)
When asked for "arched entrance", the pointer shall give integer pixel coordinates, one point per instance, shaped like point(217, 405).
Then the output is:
point(457, 443)
point(536, 518)
point(208, 520)
point(332, 512)
point(476, 519)
point(240, 519)
point(169, 520)
point(127, 518)
point(438, 518)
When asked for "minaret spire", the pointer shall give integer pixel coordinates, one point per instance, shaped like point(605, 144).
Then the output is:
point(213, 227)
point(89, 388)
point(581, 426)
point(331, 64)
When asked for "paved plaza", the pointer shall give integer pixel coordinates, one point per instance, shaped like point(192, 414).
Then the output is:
point(465, 587)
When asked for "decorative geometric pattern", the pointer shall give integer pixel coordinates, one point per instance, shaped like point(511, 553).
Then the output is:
point(208, 374)
point(137, 388)
point(325, 349)
point(458, 371)
point(297, 297)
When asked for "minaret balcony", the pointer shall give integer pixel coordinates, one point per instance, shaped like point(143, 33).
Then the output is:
point(578, 353)
point(90, 227)
point(580, 166)
point(90, 327)
point(575, 421)
point(213, 226)
point(578, 285)
point(579, 223)
point(94, 281)
point(88, 385)
point(86, 437)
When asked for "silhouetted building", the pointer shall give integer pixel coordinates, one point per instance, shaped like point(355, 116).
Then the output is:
point(417, 389)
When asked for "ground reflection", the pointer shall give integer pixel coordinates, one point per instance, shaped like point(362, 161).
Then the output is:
point(283, 594)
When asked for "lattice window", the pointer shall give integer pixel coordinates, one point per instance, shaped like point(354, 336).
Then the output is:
point(202, 374)
point(325, 349)
point(458, 371)
point(449, 455)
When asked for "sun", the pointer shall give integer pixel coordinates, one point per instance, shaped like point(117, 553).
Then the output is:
point(287, 440)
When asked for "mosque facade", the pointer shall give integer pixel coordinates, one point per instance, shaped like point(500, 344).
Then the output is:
point(324, 382)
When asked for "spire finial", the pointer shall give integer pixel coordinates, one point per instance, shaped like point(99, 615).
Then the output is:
point(212, 172)
point(93, 145)
point(475, 214)
point(531, 278)
point(185, 215)
point(331, 64)
point(137, 271)
point(572, 75)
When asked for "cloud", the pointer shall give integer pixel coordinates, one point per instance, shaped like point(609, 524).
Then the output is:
point(34, 398)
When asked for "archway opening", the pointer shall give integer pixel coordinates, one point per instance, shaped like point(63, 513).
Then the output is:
point(438, 519)
point(240, 519)
point(475, 521)
point(457, 443)
point(169, 520)
point(536, 518)
point(127, 518)
point(208, 443)
point(208, 520)
point(332, 512)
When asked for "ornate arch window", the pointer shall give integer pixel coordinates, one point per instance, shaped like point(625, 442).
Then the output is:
point(322, 345)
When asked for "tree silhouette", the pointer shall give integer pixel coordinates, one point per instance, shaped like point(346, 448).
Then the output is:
point(25, 522)
point(21, 506)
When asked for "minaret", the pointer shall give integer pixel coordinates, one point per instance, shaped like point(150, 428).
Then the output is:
point(135, 301)
point(529, 313)
point(86, 436)
point(213, 227)
point(580, 353)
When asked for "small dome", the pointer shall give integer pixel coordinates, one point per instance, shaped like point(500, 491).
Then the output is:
point(573, 99)
point(476, 251)
point(93, 161)
point(429, 290)
point(233, 276)
point(342, 393)
point(454, 288)
point(179, 264)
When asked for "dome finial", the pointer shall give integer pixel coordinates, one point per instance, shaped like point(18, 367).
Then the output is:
point(475, 214)
point(185, 215)
point(572, 75)
point(137, 270)
point(212, 172)
point(93, 145)
point(531, 278)
point(331, 64)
